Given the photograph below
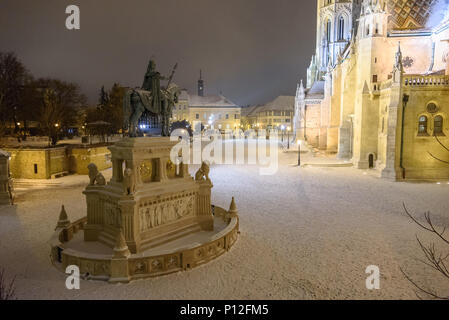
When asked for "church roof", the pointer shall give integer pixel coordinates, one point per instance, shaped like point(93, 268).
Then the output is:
point(316, 91)
point(415, 14)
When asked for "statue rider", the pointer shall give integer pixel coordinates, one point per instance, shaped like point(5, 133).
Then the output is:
point(152, 82)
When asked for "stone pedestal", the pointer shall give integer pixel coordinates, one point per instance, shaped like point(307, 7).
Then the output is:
point(6, 192)
point(149, 198)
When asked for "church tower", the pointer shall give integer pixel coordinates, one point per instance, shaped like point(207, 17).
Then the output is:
point(336, 20)
point(201, 85)
point(372, 31)
point(373, 19)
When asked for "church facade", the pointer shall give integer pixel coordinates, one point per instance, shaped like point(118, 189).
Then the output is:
point(377, 89)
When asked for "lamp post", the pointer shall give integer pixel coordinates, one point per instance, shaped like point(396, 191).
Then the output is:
point(282, 129)
point(288, 137)
point(299, 153)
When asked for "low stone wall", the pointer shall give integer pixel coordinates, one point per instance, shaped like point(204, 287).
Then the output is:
point(47, 163)
point(29, 163)
point(81, 157)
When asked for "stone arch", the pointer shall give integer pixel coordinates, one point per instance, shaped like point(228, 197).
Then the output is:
point(371, 158)
point(345, 15)
point(444, 124)
point(418, 123)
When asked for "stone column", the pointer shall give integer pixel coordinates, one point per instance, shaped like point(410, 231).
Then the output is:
point(204, 205)
point(130, 224)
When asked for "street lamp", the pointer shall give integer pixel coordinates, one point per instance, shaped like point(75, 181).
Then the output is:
point(282, 129)
point(299, 153)
point(288, 137)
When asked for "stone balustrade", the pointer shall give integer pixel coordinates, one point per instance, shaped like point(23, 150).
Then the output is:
point(421, 80)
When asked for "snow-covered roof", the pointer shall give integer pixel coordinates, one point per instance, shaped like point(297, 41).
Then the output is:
point(281, 103)
point(249, 111)
point(316, 91)
point(184, 95)
point(210, 101)
point(4, 154)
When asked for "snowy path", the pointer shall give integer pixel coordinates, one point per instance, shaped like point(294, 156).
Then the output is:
point(305, 233)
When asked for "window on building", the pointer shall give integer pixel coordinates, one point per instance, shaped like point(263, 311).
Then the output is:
point(377, 28)
point(341, 29)
point(374, 78)
point(438, 126)
point(205, 116)
point(422, 129)
point(287, 120)
point(328, 30)
point(197, 116)
point(227, 116)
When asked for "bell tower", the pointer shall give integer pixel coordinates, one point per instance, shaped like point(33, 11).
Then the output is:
point(201, 85)
point(336, 20)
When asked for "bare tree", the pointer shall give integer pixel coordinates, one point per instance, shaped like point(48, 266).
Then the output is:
point(444, 147)
point(7, 290)
point(433, 258)
point(14, 77)
point(57, 105)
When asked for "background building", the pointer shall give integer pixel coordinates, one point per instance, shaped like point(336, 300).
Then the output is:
point(212, 111)
point(277, 114)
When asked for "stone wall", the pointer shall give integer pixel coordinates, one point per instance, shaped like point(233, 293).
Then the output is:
point(81, 157)
point(47, 163)
point(417, 160)
point(38, 163)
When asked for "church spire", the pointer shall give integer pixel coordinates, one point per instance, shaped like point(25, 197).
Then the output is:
point(201, 85)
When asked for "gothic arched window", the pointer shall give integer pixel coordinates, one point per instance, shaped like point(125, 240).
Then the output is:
point(422, 128)
point(341, 29)
point(328, 30)
point(438, 126)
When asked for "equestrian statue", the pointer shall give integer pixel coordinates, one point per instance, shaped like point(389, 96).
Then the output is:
point(158, 100)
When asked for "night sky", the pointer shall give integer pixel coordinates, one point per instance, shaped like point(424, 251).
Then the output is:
point(250, 50)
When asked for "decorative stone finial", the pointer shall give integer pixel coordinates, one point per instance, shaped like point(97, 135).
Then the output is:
point(398, 63)
point(233, 212)
point(121, 248)
point(63, 221)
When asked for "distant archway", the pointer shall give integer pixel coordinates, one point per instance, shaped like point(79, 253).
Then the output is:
point(371, 161)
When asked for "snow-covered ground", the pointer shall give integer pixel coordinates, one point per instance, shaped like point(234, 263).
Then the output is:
point(306, 233)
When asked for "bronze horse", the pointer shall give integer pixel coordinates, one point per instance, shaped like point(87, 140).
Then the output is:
point(136, 101)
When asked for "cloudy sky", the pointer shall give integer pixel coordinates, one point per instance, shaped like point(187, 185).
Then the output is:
point(250, 50)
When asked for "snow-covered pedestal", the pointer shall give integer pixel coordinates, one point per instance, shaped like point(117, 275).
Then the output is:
point(151, 218)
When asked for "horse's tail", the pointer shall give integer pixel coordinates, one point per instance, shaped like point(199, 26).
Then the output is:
point(127, 109)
